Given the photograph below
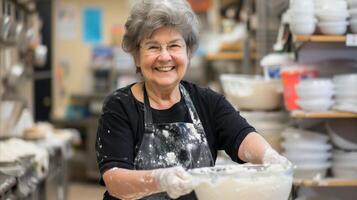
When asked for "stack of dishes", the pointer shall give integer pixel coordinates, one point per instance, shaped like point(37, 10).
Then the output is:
point(269, 125)
point(332, 16)
point(302, 17)
point(315, 94)
point(344, 164)
point(352, 4)
point(346, 92)
point(343, 136)
point(308, 151)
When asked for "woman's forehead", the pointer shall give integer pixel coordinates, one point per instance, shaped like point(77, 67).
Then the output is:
point(164, 33)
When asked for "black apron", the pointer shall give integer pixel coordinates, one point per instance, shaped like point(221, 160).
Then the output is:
point(173, 144)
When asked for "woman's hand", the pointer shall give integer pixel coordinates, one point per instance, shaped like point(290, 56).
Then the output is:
point(272, 157)
point(175, 181)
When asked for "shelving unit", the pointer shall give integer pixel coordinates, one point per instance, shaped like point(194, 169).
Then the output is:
point(228, 56)
point(324, 41)
point(299, 114)
point(319, 38)
point(329, 182)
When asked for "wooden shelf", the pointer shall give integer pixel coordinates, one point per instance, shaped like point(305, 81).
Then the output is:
point(319, 38)
point(228, 56)
point(322, 115)
point(329, 182)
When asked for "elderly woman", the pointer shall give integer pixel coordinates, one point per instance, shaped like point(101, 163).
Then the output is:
point(150, 132)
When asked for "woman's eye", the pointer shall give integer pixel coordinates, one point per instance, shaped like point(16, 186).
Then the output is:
point(175, 46)
point(153, 47)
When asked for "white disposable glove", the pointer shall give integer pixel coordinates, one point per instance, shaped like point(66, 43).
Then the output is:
point(273, 157)
point(175, 181)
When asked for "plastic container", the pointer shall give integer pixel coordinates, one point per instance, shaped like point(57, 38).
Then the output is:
point(291, 77)
point(241, 182)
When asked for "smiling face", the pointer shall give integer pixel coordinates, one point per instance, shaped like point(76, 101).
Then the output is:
point(163, 58)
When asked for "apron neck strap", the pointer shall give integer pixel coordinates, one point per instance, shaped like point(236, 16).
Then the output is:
point(148, 120)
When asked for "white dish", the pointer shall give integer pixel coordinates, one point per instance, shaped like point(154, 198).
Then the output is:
point(316, 105)
point(342, 133)
point(353, 13)
point(305, 145)
point(333, 28)
point(292, 135)
point(352, 3)
point(316, 84)
point(303, 28)
point(332, 15)
point(306, 158)
point(344, 79)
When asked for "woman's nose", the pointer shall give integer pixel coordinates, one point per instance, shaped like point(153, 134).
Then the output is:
point(164, 55)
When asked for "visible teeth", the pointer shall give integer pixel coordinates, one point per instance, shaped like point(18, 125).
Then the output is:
point(165, 69)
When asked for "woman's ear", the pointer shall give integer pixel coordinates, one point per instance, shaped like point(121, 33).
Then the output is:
point(136, 57)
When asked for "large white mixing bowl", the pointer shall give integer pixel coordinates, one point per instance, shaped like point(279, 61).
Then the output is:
point(253, 182)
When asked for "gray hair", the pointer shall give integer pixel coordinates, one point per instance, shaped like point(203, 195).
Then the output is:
point(147, 16)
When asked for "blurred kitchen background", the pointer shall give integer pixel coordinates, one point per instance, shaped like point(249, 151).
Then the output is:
point(289, 67)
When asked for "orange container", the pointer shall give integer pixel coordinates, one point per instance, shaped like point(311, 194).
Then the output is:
point(290, 77)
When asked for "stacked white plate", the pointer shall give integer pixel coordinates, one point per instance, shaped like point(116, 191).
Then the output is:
point(352, 4)
point(308, 151)
point(344, 164)
point(332, 16)
point(346, 92)
point(343, 133)
point(315, 94)
point(302, 17)
point(269, 125)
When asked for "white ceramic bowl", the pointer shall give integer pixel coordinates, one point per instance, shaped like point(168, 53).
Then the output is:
point(305, 145)
point(352, 3)
point(353, 13)
point(240, 182)
point(303, 28)
point(316, 84)
point(310, 94)
point(345, 79)
point(332, 6)
point(307, 158)
point(346, 94)
point(352, 101)
point(344, 157)
point(333, 28)
point(343, 133)
point(293, 135)
point(332, 15)
point(316, 105)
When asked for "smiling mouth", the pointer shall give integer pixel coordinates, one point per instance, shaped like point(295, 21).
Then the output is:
point(165, 69)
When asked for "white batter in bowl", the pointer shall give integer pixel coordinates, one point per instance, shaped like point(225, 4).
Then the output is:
point(241, 182)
